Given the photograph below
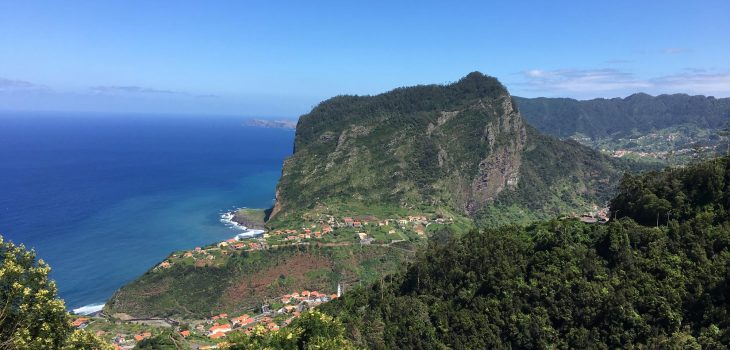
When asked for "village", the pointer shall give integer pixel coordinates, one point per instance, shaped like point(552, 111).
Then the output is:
point(325, 230)
point(211, 333)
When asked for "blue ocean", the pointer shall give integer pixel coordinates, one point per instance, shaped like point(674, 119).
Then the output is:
point(102, 198)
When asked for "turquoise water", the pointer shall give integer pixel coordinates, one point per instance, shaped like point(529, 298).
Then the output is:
point(103, 198)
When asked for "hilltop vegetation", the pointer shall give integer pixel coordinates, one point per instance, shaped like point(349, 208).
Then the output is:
point(672, 128)
point(462, 148)
point(565, 284)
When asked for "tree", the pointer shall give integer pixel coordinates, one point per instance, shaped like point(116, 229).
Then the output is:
point(31, 315)
point(725, 133)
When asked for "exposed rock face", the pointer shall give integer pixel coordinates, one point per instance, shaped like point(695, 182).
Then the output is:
point(501, 168)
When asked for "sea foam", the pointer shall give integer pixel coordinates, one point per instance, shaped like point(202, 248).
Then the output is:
point(88, 309)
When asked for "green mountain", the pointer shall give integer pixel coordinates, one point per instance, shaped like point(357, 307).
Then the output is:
point(632, 283)
point(462, 148)
point(566, 117)
point(672, 128)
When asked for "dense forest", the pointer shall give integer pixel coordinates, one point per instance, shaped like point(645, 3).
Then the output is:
point(565, 117)
point(631, 283)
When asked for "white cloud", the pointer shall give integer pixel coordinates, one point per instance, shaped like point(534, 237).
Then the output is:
point(129, 90)
point(695, 83)
point(609, 82)
point(9, 85)
point(535, 73)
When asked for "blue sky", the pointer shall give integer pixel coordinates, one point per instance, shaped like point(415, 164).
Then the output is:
point(274, 58)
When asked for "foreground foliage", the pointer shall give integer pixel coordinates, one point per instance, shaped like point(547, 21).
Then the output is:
point(31, 315)
point(564, 284)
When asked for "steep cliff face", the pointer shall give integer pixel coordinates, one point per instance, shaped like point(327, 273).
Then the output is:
point(461, 146)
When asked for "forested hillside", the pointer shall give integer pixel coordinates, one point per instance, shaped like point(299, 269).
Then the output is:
point(564, 284)
point(673, 129)
point(566, 117)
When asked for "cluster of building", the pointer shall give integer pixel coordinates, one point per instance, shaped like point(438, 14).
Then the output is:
point(208, 254)
point(328, 223)
point(235, 244)
point(304, 233)
point(218, 326)
point(120, 341)
point(296, 301)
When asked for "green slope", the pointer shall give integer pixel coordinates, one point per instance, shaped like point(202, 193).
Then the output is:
point(245, 280)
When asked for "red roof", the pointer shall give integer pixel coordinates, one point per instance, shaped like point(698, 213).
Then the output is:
point(79, 321)
point(141, 336)
point(217, 335)
point(244, 319)
point(220, 328)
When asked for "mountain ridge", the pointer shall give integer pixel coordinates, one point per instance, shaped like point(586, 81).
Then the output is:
point(603, 117)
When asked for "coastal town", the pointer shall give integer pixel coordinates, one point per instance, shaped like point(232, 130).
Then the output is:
point(209, 333)
point(278, 311)
point(325, 230)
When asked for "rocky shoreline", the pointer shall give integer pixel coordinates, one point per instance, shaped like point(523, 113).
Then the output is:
point(250, 218)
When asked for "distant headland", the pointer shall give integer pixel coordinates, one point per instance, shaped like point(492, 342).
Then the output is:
point(271, 123)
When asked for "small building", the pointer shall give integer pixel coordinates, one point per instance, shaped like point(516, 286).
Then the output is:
point(218, 329)
point(142, 336)
point(80, 322)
